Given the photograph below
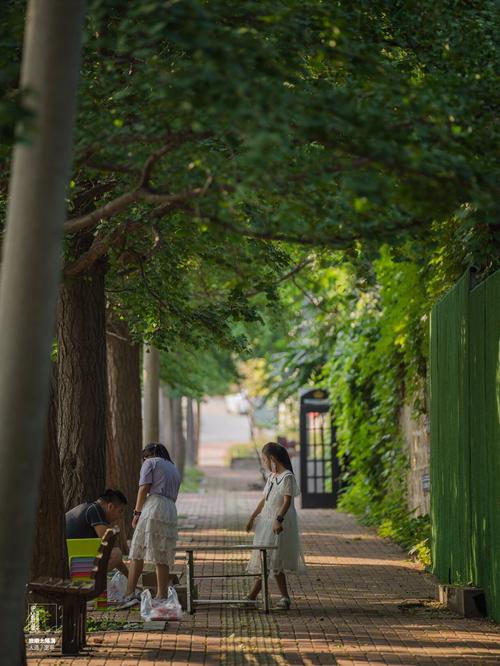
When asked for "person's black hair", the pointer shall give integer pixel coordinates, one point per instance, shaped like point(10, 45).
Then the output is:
point(114, 496)
point(279, 453)
point(154, 450)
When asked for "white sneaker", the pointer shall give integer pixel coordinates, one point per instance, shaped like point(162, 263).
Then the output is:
point(129, 601)
point(283, 603)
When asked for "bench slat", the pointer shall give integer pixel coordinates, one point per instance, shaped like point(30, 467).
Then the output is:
point(235, 547)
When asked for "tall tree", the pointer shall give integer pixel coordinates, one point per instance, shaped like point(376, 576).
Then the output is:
point(151, 420)
point(124, 426)
point(178, 436)
point(82, 386)
point(190, 433)
point(49, 556)
point(28, 287)
point(166, 419)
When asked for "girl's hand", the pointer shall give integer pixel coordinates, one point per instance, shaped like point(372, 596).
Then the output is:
point(250, 523)
point(277, 527)
point(135, 520)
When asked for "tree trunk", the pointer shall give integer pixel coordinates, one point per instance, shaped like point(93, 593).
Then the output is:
point(82, 384)
point(190, 433)
point(197, 433)
point(179, 443)
point(124, 432)
point(28, 288)
point(166, 421)
point(151, 422)
point(49, 557)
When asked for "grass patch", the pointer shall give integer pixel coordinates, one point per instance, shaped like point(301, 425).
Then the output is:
point(240, 451)
point(191, 482)
point(246, 450)
point(105, 624)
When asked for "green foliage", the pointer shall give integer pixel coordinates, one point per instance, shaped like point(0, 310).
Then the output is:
point(197, 372)
point(359, 327)
point(12, 103)
point(411, 533)
point(106, 623)
point(345, 125)
point(378, 362)
point(39, 619)
point(191, 483)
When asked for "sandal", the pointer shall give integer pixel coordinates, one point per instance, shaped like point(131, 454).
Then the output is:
point(283, 603)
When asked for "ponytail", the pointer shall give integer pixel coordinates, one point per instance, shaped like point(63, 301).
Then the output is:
point(280, 453)
point(156, 450)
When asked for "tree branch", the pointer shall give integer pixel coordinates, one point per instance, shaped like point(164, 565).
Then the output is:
point(314, 301)
point(296, 269)
point(337, 242)
point(118, 337)
point(142, 192)
point(278, 236)
point(97, 250)
point(112, 168)
point(169, 202)
point(105, 212)
point(150, 289)
point(85, 197)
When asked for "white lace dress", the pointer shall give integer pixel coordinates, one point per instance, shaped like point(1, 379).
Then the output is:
point(289, 556)
point(155, 536)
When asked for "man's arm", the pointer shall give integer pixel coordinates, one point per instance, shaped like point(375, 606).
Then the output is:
point(100, 530)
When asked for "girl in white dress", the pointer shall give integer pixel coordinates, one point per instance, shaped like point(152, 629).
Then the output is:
point(276, 524)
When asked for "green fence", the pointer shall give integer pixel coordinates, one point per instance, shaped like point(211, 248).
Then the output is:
point(465, 437)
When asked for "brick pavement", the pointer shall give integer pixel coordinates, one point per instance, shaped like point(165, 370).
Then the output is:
point(361, 602)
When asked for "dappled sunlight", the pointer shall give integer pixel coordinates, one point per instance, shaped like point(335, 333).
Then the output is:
point(357, 536)
point(364, 603)
point(354, 562)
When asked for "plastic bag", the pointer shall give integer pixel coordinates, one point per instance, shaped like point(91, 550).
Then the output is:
point(117, 587)
point(160, 609)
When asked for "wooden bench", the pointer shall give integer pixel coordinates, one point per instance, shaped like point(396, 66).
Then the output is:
point(190, 575)
point(73, 595)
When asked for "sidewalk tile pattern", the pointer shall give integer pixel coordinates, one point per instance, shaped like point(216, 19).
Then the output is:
point(361, 603)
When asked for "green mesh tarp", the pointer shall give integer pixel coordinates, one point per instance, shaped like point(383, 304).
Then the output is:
point(450, 449)
point(465, 437)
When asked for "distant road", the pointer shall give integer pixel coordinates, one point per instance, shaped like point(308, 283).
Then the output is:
point(219, 430)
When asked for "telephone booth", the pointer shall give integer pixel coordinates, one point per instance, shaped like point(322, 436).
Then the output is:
point(319, 468)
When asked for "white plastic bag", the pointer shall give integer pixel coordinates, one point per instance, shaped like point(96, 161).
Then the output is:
point(160, 609)
point(146, 605)
point(117, 587)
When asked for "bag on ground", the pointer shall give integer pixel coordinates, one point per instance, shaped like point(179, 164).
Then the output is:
point(117, 587)
point(160, 609)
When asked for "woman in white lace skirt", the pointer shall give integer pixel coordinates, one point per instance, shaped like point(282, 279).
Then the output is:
point(154, 522)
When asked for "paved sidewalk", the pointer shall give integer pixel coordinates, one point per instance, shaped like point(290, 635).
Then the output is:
point(361, 601)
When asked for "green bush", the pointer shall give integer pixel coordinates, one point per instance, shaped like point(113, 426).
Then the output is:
point(191, 482)
point(378, 363)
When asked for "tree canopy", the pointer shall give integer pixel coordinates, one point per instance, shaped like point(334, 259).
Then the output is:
point(218, 142)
